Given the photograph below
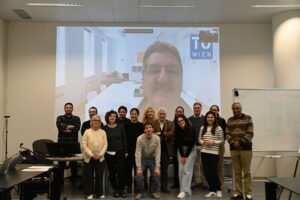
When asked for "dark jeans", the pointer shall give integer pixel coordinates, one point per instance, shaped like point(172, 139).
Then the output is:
point(210, 166)
point(116, 168)
point(164, 165)
point(94, 168)
point(175, 167)
point(148, 164)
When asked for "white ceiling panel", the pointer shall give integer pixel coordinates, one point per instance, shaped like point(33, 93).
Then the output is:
point(199, 11)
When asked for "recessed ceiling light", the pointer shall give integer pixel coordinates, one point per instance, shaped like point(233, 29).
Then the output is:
point(55, 4)
point(167, 6)
point(276, 6)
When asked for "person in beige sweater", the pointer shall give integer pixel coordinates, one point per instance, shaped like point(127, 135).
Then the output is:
point(94, 144)
point(147, 156)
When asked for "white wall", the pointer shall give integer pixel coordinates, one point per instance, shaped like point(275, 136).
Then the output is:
point(2, 85)
point(246, 62)
point(30, 83)
point(246, 59)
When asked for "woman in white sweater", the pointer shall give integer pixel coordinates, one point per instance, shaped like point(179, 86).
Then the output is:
point(210, 137)
point(94, 144)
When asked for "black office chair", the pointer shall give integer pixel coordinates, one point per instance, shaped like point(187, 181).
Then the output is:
point(41, 184)
point(39, 146)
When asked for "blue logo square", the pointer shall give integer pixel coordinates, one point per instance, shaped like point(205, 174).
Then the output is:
point(199, 49)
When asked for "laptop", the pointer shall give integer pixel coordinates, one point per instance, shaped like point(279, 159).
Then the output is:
point(63, 149)
point(10, 163)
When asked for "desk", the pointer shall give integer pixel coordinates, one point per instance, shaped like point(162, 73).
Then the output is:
point(64, 159)
point(59, 178)
point(15, 177)
point(288, 183)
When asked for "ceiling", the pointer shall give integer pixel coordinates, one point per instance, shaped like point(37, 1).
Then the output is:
point(196, 11)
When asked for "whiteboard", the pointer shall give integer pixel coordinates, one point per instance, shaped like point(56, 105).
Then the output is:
point(276, 117)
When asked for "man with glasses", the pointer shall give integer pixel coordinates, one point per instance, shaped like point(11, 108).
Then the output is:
point(197, 120)
point(162, 78)
point(165, 130)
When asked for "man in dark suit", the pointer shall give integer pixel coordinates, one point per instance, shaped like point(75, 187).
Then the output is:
point(87, 124)
point(164, 129)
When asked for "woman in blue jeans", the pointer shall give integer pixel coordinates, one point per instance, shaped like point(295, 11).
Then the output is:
point(185, 138)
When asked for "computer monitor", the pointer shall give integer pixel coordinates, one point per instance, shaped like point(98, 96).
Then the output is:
point(63, 149)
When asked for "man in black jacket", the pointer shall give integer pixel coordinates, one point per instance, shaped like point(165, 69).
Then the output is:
point(68, 126)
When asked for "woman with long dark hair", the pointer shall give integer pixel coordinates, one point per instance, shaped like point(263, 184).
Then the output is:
point(185, 141)
point(116, 153)
point(210, 137)
point(221, 122)
point(178, 111)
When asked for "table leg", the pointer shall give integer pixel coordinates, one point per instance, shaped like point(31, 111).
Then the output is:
point(270, 191)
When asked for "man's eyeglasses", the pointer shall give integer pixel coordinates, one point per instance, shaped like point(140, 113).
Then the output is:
point(156, 69)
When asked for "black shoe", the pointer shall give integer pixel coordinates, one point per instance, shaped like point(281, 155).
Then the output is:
point(73, 183)
point(195, 185)
point(237, 197)
point(123, 193)
point(129, 190)
point(165, 190)
point(80, 187)
point(116, 193)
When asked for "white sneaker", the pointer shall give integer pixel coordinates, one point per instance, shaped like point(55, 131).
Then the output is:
point(102, 196)
point(210, 194)
point(219, 194)
point(181, 195)
point(90, 197)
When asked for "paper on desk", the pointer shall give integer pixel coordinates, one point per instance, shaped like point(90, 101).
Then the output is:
point(40, 167)
point(37, 169)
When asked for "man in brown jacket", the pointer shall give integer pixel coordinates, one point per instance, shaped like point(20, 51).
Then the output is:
point(164, 129)
point(239, 134)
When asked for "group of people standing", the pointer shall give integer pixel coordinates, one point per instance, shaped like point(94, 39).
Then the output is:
point(195, 146)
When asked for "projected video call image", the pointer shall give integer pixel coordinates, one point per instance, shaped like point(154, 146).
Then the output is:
point(107, 67)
